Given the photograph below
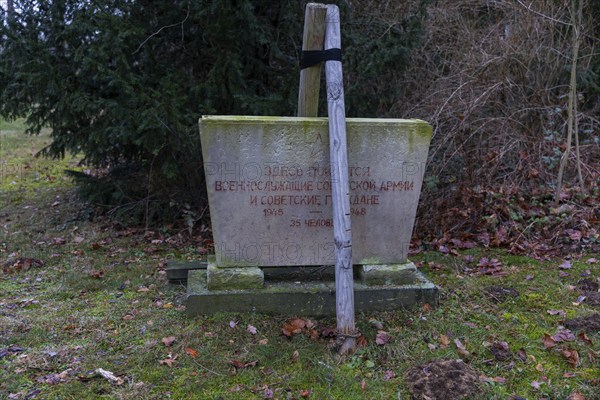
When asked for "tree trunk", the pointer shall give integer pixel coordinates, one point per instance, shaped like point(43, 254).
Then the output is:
point(576, 12)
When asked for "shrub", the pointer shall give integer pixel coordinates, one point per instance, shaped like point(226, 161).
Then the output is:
point(124, 82)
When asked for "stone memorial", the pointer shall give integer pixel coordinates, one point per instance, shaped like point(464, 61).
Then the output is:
point(269, 190)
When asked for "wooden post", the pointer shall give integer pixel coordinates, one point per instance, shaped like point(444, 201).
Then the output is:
point(344, 286)
point(10, 10)
point(312, 39)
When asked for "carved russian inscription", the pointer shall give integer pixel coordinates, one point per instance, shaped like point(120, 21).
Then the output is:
point(269, 186)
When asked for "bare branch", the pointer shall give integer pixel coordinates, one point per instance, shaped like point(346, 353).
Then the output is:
point(162, 28)
point(528, 7)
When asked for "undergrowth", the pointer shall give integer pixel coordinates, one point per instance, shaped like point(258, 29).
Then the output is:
point(79, 295)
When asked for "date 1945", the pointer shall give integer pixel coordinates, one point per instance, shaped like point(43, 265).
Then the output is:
point(273, 212)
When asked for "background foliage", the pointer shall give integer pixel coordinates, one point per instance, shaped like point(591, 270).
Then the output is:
point(124, 82)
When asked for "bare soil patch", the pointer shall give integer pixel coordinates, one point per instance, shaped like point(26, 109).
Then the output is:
point(589, 323)
point(442, 379)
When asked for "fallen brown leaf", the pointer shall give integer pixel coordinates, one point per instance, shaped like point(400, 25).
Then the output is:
point(462, 350)
point(389, 374)
point(97, 274)
point(251, 330)
point(539, 367)
point(168, 341)
point(268, 393)
point(112, 378)
point(376, 324)
point(565, 265)
point(328, 332)
point(444, 341)
point(522, 354)
point(382, 338)
point(191, 352)
point(580, 300)
point(78, 239)
point(313, 334)
point(548, 341)
point(576, 396)
point(54, 379)
point(168, 361)
point(563, 335)
point(583, 337)
point(58, 241)
point(536, 384)
point(241, 365)
point(361, 341)
point(235, 388)
point(572, 357)
point(293, 326)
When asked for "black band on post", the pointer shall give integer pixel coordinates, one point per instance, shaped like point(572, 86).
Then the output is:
point(313, 57)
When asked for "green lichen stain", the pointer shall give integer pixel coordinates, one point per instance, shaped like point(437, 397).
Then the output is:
point(230, 263)
point(370, 261)
point(299, 130)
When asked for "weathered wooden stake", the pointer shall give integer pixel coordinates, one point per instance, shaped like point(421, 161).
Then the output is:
point(312, 39)
point(344, 286)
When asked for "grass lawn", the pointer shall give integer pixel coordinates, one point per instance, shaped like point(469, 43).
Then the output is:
point(78, 295)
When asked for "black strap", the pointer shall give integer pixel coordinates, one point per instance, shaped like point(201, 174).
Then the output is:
point(313, 57)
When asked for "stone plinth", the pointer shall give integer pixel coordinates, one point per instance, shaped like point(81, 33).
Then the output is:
point(269, 188)
point(387, 274)
point(306, 298)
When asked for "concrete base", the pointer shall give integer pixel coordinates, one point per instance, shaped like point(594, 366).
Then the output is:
point(390, 274)
point(218, 278)
point(307, 297)
point(177, 270)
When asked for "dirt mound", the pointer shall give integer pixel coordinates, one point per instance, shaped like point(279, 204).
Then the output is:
point(589, 288)
point(442, 380)
point(588, 285)
point(588, 323)
point(593, 299)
